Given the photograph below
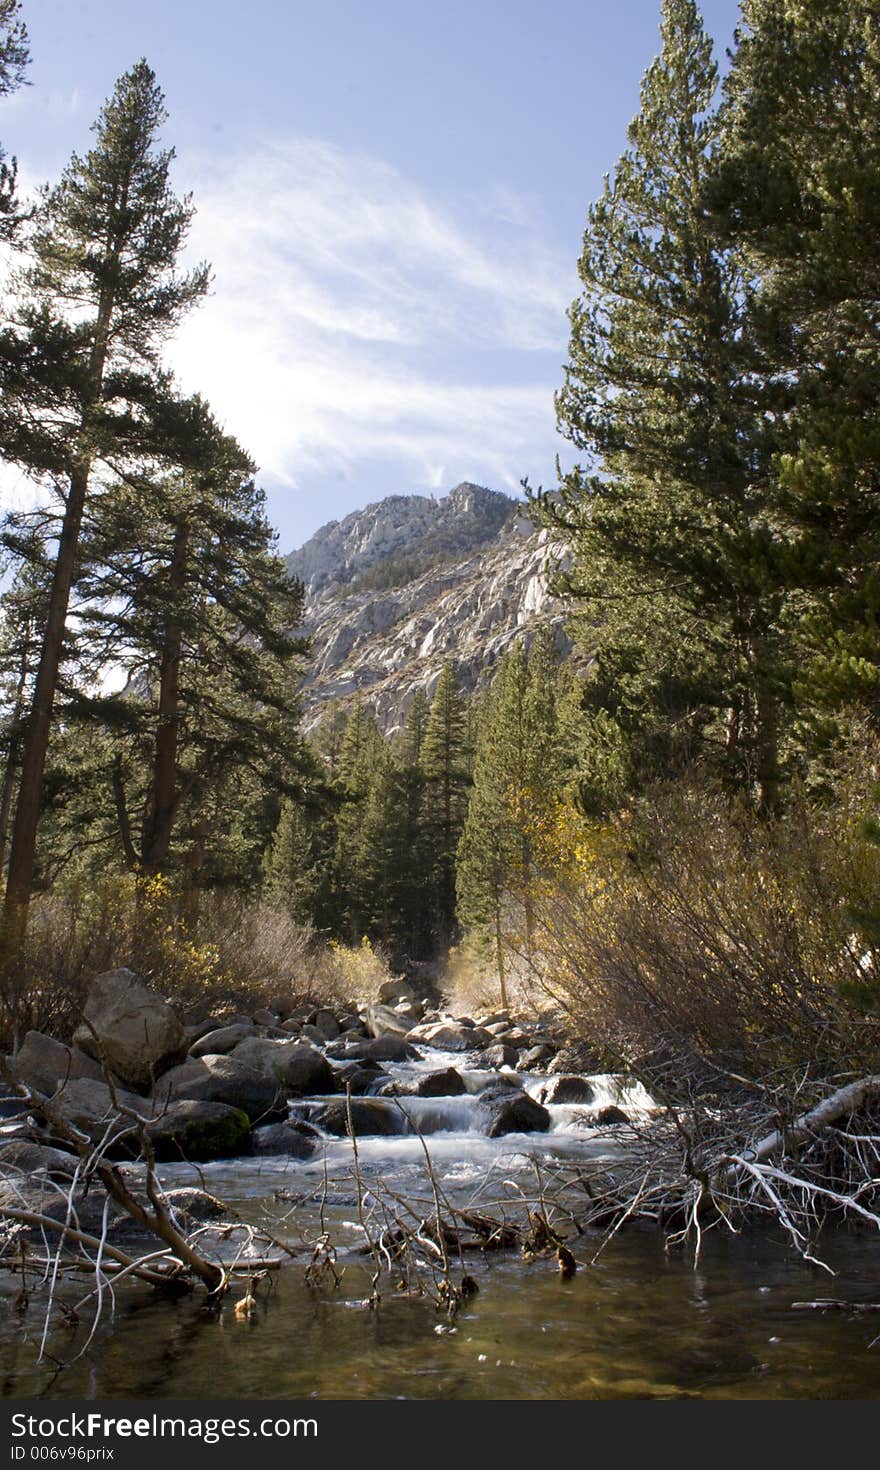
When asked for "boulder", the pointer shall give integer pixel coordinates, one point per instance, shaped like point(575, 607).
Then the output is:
point(519, 1114)
point(608, 1115)
point(23, 1156)
point(535, 1056)
point(391, 991)
point(292, 1139)
point(198, 1029)
point(382, 1021)
point(326, 1024)
point(359, 1079)
point(447, 1083)
point(568, 1089)
point(43, 1063)
point(222, 1079)
point(282, 1006)
point(196, 1206)
point(130, 1028)
point(375, 1049)
point(449, 1036)
point(198, 1130)
point(500, 1055)
point(370, 1116)
point(265, 1017)
point(222, 1040)
point(89, 1106)
point(294, 1066)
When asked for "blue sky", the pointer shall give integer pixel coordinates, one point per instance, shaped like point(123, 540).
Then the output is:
point(392, 197)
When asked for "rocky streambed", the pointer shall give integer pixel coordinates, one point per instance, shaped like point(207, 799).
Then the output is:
point(286, 1087)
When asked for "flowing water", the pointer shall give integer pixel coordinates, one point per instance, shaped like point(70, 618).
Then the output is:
point(640, 1322)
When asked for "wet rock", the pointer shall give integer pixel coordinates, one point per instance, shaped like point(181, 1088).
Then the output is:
point(291, 1139)
point(369, 1117)
point(359, 1078)
point(350, 1021)
point(391, 991)
point(43, 1063)
point(608, 1115)
point(447, 1083)
point(500, 1055)
point(569, 1089)
point(130, 1028)
point(312, 1034)
point(519, 1114)
point(293, 1065)
point(536, 1056)
point(222, 1079)
point(199, 1131)
point(449, 1036)
point(223, 1040)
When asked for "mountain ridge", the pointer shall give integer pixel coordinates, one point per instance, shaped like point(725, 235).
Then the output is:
point(397, 589)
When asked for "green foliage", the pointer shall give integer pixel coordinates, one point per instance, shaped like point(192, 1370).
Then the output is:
point(14, 57)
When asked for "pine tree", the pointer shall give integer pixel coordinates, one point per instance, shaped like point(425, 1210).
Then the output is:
point(105, 247)
point(14, 57)
point(360, 756)
point(676, 561)
point(799, 191)
point(520, 768)
point(185, 582)
point(445, 773)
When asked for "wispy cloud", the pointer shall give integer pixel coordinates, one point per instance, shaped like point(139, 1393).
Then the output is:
point(353, 315)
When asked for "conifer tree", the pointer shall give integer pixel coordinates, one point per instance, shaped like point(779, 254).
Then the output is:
point(360, 756)
point(14, 57)
point(105, 249)
point(446, 777)
point(676, 559)
point(799, 191)
point(520, 769)
point(186, 584)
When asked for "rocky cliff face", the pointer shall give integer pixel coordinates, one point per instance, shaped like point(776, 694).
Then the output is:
point(397, 589)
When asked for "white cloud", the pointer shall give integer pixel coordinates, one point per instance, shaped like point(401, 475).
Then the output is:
point(352, 316)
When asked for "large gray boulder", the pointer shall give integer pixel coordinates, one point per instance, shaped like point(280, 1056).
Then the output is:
point(90, 1107)
point(518, 1114)
point(130, 1028)
point(391, 991)
point(222, 1040)
point(224, 1080)
point(45, 1064)
point(197, 1130)
point(500, 1055)
point(450, 1036)
point(382, 1021)
point(295, 1066)
point(21, 1157)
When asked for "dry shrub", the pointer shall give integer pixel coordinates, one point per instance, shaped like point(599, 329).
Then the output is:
point(690, 924)
point(212, 953)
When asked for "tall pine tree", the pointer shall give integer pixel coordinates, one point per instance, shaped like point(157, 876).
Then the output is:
point(105, 251)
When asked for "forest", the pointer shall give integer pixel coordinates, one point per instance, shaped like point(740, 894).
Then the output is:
point(667, 843)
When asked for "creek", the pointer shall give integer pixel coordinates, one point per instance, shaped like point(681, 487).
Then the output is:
point(639, 1322)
